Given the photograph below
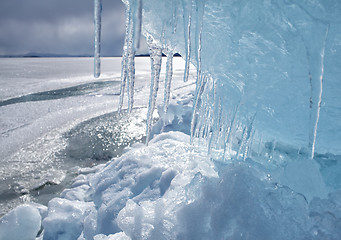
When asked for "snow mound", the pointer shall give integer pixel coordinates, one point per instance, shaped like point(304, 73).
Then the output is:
point(170, 190)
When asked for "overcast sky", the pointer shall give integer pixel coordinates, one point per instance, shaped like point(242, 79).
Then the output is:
point(59, 27)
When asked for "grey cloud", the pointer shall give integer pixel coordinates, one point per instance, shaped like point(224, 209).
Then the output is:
point(58, 26)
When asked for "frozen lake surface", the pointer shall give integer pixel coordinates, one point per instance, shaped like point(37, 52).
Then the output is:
point(57, 118)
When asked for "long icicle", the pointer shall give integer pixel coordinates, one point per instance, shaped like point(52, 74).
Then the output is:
point(97, 22)
point(156, 61)
point(197, 96)
point(123, 80)
point(199, 80)
point(187, 31)
point(228, 140)
point(214, 121)
point(313, 135)
point(168, 80)
point(200, 9)
point(133, 31)
point(124, 59)
point(131, 59)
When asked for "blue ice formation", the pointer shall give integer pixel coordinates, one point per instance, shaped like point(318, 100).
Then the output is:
point(267, 97)
point(267, 81)
point(267, 71)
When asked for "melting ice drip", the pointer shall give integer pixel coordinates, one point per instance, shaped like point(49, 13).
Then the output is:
point(249, 57)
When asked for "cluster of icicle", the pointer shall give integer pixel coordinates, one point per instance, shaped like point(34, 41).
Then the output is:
point(131, 44)
point(210, 124)
point(224, 133)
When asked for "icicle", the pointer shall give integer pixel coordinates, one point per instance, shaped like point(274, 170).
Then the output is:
point(224, 124)
point(200, 122)
point(187, 31)
point(195, 107)
point(200, 81)
point(249, 145)
point(168, 81)
point(200, 8)
point(139, 24)
point(131, 79)
point(213, 121)
point(225, 143)
point(124, 58)
point(316, 82)
point(248, 137)
point(242, 141)
point(123, 79)
point(156, 61)
point(133, 31)
point(199, 57)
point(231, 128)
point(174, 15)
point(97, 22)
point(198, 92)
point(218, 125)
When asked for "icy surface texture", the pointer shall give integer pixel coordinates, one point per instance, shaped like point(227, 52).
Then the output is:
point(269, 70)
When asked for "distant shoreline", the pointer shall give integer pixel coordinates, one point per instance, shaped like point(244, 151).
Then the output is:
point(43, 55)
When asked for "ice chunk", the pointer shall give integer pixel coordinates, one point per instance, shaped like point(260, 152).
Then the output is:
point(65, 218)
point(308, 182)
point(24, 222)
point(239, 205)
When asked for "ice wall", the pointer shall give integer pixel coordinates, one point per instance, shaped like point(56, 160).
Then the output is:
point(267, 71)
